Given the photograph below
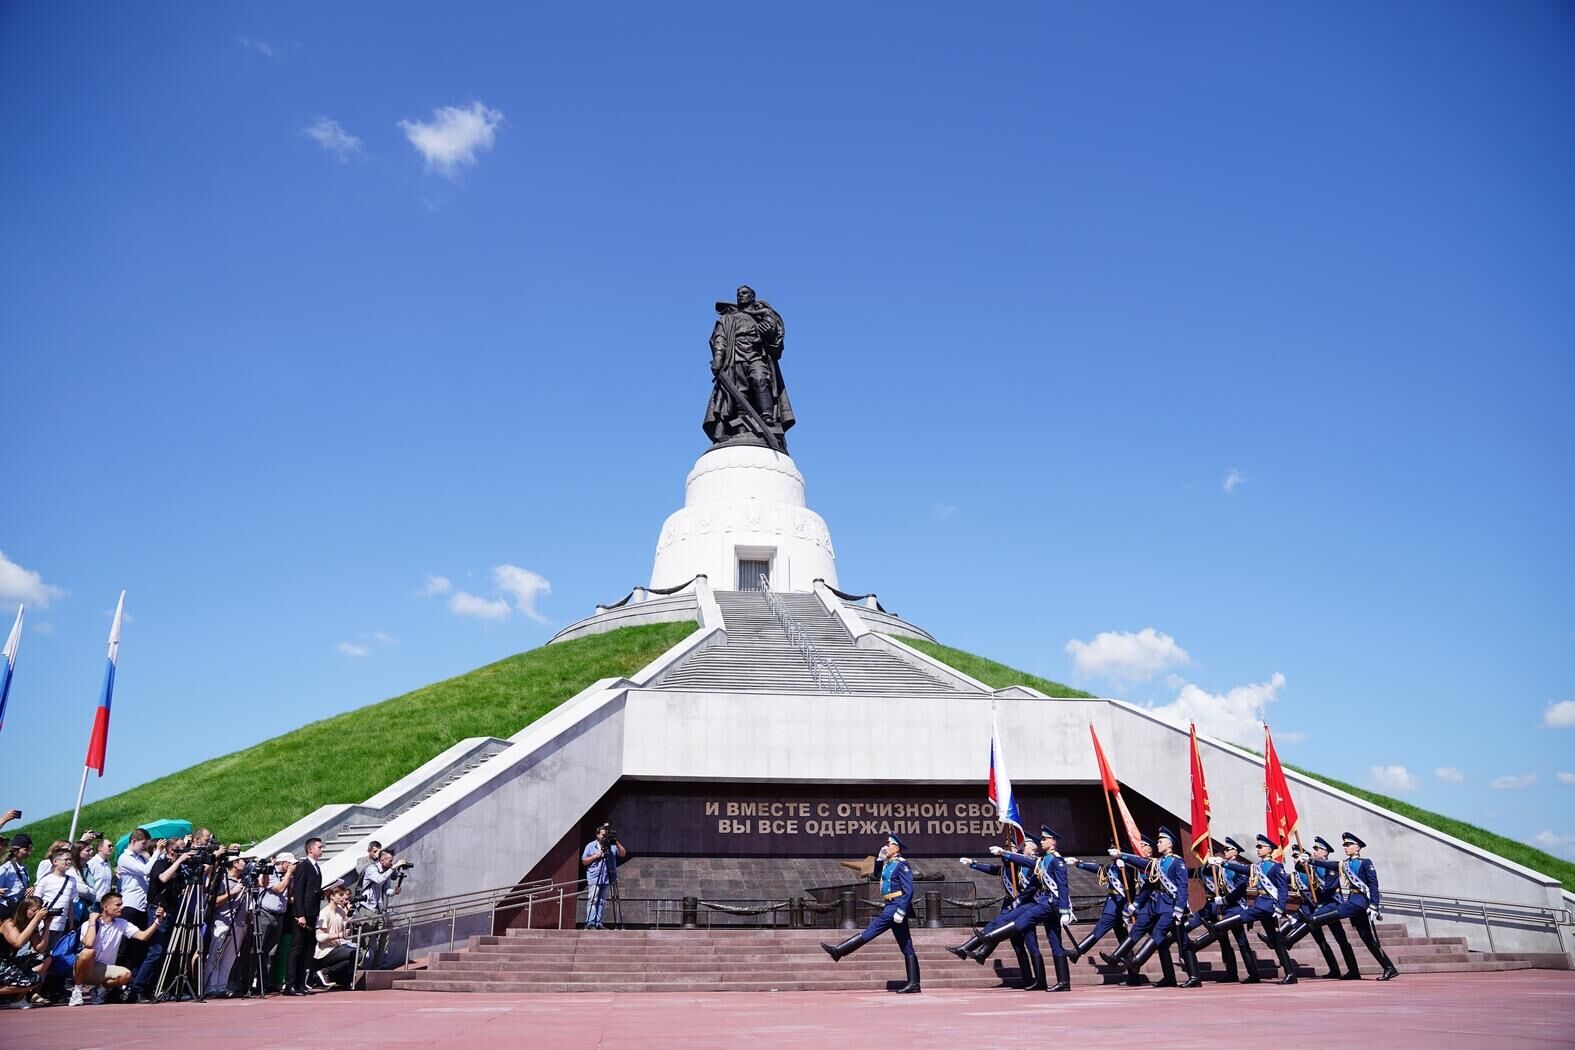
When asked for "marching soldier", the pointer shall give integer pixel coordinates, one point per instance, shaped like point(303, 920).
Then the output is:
point(1318, 887)
point(896, 889)
point(1266, 893)
point(1355, 900)
point(1225, 889)
point(1139, 907)
point(1050, 907)
point(1017, 887)
point(1166, 878)
point(1111, 916)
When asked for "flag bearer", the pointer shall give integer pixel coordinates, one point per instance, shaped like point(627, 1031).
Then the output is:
point(1017, 888)
point(1051, 907)
point(1265, 894)
point(1225, 889)
point(1166, 876)
point(1111, 916)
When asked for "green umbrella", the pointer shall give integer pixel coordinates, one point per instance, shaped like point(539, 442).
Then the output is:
point(159, 829)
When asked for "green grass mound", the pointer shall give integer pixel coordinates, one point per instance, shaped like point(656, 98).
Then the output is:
point(999, 676)
point(253, 793)
point(992, 674)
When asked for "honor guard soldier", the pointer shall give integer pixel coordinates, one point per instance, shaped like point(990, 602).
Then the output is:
point(1166, 879)
point(1266, 894)
point(1017, 888)
point(1356, 900)
point(1137, 908)
point(1225, 889)
point(1319, 887)
point(1112, 916)
point(896, 890)
point(1050, 907)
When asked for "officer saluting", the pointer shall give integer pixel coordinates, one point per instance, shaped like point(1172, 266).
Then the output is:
point(896, 889)
point(1356, 899)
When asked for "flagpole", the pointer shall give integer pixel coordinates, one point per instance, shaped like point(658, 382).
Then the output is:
point(1126, 879)
point(81, 788)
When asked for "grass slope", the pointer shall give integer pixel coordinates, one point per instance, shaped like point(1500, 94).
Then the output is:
point(992, 674)
point(251, 794)
point(998, 676)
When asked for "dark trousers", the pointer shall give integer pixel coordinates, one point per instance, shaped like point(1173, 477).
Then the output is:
point(133, 952)
point(264, 934)
point(148, 971)
point(338, 966)
point(301, 951)
point(887, 920)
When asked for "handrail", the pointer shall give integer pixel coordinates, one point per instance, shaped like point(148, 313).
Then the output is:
point(800, 640)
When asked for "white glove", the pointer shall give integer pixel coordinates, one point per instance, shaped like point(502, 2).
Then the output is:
point(1374, 915)
point(964, 860)
point(1071, 861)
point(1114, 852)
point(1216, 860)
point(996, 851)
point(1067, 918)
point(1120, 863)
point(1129, 911)
point(899, 917)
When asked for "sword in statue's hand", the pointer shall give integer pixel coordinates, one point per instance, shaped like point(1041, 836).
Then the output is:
point(750, 412)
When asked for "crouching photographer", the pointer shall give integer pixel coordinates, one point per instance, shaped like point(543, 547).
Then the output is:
point(269, 886)
point(379, 882)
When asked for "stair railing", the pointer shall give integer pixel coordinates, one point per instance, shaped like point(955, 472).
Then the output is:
point(822, 671)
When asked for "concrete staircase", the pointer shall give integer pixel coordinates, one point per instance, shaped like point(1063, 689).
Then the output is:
point(757, 656)
point(348, 834)
point(791, 960)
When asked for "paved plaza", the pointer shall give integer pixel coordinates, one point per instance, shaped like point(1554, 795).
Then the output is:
point(1522, 1009)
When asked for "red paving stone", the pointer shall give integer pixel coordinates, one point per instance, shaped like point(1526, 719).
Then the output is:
point(1528, 1008)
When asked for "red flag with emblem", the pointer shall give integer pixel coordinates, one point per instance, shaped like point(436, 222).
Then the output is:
point(1200, 804)
point(1280, 810)
point(1112, 785)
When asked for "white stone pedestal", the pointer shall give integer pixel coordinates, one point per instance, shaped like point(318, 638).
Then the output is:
point(742, 503)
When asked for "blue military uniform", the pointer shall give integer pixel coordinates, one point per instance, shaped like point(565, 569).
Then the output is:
point(1165, 878)
point(1049, 906)
point(1356, 900)
point(896, 891)
point(1266, 893)
point(1111, 915)
point(1017, 888)
point(1224, 889)
point(1317, 887)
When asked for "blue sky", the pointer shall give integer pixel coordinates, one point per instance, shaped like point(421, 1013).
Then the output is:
point(303, 306)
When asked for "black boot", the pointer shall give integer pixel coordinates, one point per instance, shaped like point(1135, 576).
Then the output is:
point(913, 976)
point(847, 947)
point(1063, 973)
point(1037, 968)
point(1167, 968)
point(1024, 967)
point(1333, 973)
point(1286, 963)
point(1249, 962)
point(1228, 954)
point(1189, 962)
point(1119, 956)
point(963, 950)
point(1370, 938)
point(1352, 971)
point(988, 940)
point(1081, 948)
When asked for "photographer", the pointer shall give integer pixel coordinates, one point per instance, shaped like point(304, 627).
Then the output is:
point(228, 926)
point(23, 959)
point(103, 935)
point(273, 886)
point(60, 890)
point(135, 864)
point(13, 874)
point(600, 859)
point(379, 882)
point(171, 872)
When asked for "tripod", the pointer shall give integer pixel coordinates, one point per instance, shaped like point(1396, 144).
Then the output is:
point(615, 905)
point(185, 942)
point(254, 961)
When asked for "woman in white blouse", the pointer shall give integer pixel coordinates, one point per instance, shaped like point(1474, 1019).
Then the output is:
point(335, 958)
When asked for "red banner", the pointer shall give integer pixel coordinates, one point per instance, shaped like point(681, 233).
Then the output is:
point(1280, 810)
point(1112, 785)
point(1200, 804)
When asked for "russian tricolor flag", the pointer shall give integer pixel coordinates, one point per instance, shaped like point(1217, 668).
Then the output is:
point(8, 660)
point(1000, 784)
point(100, 739)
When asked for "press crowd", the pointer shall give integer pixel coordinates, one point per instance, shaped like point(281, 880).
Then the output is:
point(182, 917)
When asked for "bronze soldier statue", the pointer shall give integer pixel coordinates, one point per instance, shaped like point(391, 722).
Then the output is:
point(749, 404)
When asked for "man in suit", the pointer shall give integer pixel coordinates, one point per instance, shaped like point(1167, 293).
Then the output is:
point(306, 890)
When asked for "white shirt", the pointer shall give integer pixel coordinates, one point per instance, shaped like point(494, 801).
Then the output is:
point(57, 893)
point(134, 879)
point(106, 943)
point(99, 876)
point(375, 887)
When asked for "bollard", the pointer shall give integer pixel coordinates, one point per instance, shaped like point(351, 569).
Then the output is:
point(932, 909)
point(691, 913)
point(849, 910)
point(795, 913)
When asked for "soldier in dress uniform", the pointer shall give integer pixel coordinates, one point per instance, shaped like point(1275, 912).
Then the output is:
point(1141, 904)
point(896, 889)
point(1225, 889)
point(1265, 896)
point(1112, 915)
point(1017, 888)
point(1051, 907)
point(1356, 900)
point(1317, 888)
point(1166, 880)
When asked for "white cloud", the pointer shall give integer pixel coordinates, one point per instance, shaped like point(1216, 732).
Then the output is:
point(352, 649)
point(1127, 657)
point(261, 47)
point(454, 136)
point(24, 585)
point(1450, 775)
point(525, 586)
point(334, 139)
point(464, 604)
point(380, 637)
point(1565, 778)
point(1564, 844)
point(1513, 783)
point(1560, 715)
point(1396, 779)
point(436, 585)
point(942, 511)
point(1234, 479)
point(1236, 715)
